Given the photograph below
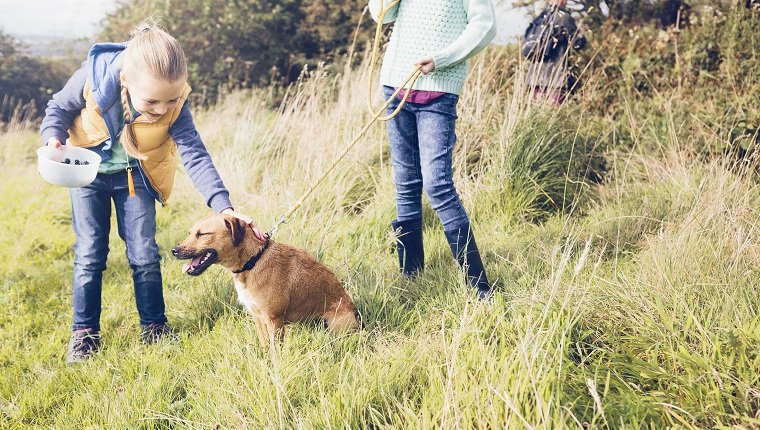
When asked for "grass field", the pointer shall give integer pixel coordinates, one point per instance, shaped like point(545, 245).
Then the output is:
point(634, 306)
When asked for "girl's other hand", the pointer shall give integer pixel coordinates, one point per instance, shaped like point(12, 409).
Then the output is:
point(248, 220)
point(428, 65)
point(55, 143)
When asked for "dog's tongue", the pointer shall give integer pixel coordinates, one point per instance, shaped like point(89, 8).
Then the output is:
point(187, 266)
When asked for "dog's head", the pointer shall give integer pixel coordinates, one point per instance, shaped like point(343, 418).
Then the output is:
point(215, 239)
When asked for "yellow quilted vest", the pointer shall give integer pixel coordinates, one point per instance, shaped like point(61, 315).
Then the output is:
point(152, 137)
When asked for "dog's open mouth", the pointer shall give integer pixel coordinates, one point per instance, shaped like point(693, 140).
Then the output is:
point(200, 262)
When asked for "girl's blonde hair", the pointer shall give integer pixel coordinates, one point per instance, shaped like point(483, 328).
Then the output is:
point(151, 50)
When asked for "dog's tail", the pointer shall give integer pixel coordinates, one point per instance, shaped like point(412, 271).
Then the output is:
point(359, 318)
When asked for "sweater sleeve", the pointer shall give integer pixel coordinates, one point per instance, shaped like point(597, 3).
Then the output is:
point(64, 107)
point(375, 6)
point(197, 161)
point(479, 32)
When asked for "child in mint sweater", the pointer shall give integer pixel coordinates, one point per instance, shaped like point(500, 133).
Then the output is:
point(439, 35)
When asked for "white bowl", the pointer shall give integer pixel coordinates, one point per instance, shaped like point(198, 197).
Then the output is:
point(53, 167)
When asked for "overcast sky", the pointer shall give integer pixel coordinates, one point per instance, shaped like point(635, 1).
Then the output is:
point(80, 18)
point(65, 18)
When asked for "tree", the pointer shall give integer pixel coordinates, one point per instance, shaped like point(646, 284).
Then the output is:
point(242, 43)
point(25, 81)
point(328, 27)
point(7, 45)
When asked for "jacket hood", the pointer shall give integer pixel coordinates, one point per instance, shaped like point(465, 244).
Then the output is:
point(104, 66)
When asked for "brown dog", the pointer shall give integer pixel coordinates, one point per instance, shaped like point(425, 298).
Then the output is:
point(277, 283)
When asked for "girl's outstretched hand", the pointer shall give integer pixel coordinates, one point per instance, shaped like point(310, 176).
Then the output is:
point(248, 220)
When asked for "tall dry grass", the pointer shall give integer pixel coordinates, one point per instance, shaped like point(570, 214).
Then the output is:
point(626, 304)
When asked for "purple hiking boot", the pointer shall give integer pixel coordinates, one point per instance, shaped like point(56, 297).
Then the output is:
point(155, 332)
point(82, 345)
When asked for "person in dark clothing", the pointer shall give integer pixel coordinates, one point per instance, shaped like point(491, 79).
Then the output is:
point(548, 40)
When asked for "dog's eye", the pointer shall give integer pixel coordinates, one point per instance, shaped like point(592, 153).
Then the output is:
point(199, 234)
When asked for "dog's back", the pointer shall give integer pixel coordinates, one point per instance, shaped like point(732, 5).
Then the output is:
point(310, 289)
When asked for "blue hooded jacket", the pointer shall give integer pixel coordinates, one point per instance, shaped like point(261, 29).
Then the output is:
point(102, 70)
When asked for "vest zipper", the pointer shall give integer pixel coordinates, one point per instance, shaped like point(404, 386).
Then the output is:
point(145, 175)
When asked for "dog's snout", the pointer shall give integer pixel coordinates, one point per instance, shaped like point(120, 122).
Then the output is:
point(175, 251)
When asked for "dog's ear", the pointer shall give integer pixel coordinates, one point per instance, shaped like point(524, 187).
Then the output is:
point(237, 228)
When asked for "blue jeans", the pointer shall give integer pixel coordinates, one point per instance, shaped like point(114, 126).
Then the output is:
point(422, 139)
point(136, 220)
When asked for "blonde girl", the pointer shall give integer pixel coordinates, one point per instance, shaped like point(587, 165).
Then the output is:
point(128, 103)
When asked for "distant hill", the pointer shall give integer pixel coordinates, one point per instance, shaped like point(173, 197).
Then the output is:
point(54, 47)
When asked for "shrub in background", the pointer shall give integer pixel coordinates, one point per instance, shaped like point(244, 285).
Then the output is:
point(26, 83)
point(700, 80)
point(242, 44)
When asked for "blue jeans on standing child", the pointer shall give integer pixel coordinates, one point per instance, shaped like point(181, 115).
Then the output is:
point(422, 139)
point(136, 220)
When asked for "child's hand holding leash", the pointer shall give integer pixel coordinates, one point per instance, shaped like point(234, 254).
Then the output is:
point(248, 220)
point(428, 65)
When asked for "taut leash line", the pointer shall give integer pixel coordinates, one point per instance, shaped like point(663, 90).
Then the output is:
point(377, 115)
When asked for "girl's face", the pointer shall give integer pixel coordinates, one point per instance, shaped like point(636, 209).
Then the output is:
point(152, 97)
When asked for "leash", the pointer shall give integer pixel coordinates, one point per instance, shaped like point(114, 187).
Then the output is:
point(373, 65)
point(377, 115)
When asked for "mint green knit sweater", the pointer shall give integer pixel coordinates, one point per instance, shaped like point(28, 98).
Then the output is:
point(449, 31)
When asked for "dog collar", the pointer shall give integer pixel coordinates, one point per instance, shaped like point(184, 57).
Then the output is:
point(252, 262)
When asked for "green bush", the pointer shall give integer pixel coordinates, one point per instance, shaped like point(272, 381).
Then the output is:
point(26, 83)
point(241, 44)
point(701, 79)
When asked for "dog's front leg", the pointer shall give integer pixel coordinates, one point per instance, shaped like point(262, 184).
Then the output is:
point(261, 330)
point(274, 328)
